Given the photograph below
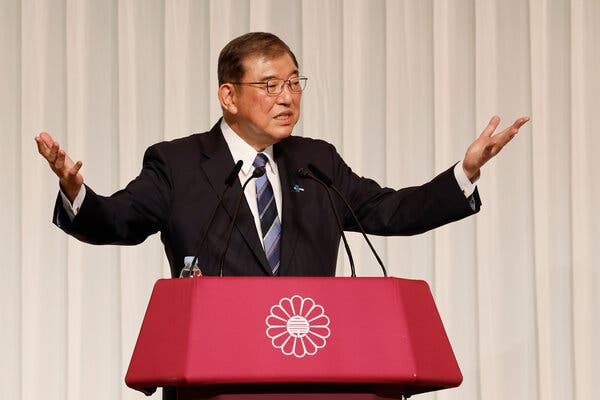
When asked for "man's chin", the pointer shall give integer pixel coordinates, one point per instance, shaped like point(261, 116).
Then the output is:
point(282, 132)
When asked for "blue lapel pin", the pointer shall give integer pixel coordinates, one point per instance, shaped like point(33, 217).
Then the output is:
point(298, 188)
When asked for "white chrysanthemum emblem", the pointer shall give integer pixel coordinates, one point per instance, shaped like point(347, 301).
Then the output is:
point(298, 326)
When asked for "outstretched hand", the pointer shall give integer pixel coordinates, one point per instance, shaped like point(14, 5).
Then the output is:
point(62, 165)
point(486, 146)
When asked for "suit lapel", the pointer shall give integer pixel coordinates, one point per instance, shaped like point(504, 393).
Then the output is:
point(217, 166)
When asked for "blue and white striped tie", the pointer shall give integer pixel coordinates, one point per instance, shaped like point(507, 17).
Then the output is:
point(269, 219)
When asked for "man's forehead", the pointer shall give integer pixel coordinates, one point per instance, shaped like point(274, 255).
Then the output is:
point(260, 67)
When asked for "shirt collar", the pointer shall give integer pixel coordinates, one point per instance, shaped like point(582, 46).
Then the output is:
point(240, 150)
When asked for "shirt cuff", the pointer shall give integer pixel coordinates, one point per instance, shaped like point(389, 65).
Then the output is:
point(73, 209)
point(464, 183)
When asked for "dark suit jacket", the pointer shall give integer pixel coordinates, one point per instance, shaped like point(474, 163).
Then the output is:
point(181, 181)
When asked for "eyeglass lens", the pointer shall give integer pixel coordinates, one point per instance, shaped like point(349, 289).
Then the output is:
point(296, 85)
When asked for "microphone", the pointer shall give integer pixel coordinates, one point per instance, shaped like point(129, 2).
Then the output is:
point(302, 172)
point(192, 270)
point(233, 174)
point(258, 172)
point(318, 173)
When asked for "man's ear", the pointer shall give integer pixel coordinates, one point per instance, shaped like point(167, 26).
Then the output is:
point(228, 97)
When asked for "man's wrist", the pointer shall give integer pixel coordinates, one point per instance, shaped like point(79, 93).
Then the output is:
point(70, 191)
point(72, 206)
point(472, 176)
point(467, 186)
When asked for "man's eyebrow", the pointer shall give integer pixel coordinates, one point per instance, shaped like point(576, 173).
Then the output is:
point(267, 77)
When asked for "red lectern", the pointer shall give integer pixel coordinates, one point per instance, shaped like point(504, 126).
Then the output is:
point(294, 338)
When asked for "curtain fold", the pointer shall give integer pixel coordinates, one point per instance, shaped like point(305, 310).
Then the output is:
point(400, 87)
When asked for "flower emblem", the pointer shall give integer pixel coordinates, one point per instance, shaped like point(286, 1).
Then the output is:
point(298, 326)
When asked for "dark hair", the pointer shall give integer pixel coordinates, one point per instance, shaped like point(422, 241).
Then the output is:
point(230, 67)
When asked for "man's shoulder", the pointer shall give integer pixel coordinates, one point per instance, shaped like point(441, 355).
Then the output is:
point(300, 143)
point(194, 143)
point(310, 150)
point(184, 142)
point(175, 148)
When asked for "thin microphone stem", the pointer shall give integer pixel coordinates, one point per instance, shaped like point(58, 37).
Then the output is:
point(258, 171)
point(205, 234)
point(306, 174)
point(362, 230)
point(228, 183)
point(322, 176)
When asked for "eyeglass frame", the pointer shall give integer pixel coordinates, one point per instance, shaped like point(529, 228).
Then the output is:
point(284, 82)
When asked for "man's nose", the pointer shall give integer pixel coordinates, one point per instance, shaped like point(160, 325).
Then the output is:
point(285, 97)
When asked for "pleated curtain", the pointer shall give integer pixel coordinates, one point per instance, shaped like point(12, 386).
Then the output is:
point(401, 88)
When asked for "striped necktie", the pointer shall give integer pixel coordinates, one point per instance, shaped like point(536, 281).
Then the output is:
point(269, 219)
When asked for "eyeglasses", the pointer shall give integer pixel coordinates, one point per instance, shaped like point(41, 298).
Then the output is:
point(274, 87)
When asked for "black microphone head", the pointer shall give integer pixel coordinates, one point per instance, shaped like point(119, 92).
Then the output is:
point(234, 173)
point(303, 173)
point(258, 172)
point(317, 172)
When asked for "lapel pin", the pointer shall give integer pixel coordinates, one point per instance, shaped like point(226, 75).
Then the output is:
point(298, 188)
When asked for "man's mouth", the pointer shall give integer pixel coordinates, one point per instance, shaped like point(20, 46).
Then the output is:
point(284, 116)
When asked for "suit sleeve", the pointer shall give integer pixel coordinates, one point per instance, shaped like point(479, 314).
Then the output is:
point(130, 215)
point(407, 211)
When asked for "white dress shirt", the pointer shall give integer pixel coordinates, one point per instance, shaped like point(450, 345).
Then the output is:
point(240, 150)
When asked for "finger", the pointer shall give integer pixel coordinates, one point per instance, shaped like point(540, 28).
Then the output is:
point(502, 138)
point(53, 152)
point(506, 135)
point(512, 130)
point(75, 169)
point(59, 163)
point(42, 148)
point(520, 122)
point(491, 126)
point(47, 139)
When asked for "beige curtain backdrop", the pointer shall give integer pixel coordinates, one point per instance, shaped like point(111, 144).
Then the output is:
point(400, 87)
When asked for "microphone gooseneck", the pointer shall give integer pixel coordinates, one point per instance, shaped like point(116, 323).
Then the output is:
point(258, 172)
point(318, 173)
point(228, 183)
point(304, 173)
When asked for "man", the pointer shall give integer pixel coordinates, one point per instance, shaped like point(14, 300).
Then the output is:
point(289, 229)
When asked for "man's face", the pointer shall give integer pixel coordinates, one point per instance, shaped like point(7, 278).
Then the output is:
point(263, 119)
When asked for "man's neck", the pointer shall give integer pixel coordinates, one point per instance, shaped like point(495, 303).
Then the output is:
point(235, 126)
